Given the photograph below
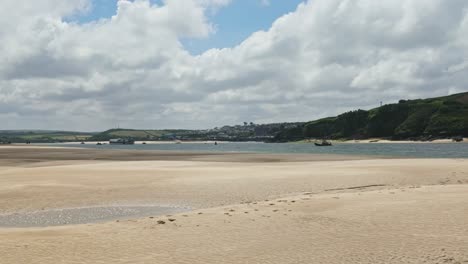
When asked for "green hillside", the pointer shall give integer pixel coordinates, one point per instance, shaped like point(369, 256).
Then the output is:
point(137, 134)
point(421, 119)
point(42, 136)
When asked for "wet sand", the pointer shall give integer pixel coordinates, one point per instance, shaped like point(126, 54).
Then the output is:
point(247, 208)
point(24, 155)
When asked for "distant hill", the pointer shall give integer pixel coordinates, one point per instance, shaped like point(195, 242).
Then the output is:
point(421, 119)
point(245, 132)
point(42, 136)
point(138, 134)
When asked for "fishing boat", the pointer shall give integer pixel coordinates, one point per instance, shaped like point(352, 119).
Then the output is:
point(324, 143)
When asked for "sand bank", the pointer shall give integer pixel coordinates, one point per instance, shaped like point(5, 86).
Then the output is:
point(404, 225)
point(247, 209)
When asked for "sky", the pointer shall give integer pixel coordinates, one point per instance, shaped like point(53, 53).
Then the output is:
point(91, 65)
point(232, 25)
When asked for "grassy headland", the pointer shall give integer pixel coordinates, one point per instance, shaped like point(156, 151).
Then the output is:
point(422, 119)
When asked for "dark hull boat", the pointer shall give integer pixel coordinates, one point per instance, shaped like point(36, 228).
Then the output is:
point(323, 144)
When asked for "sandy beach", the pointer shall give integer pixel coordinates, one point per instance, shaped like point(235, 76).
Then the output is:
point(237, 208)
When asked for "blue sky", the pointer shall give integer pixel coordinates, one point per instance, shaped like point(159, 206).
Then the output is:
point(234, 22)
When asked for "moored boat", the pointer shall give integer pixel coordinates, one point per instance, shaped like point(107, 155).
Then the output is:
point(122, 141)
point(324, 143)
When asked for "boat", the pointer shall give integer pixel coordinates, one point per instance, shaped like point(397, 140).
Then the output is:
point(122, 141)
point(324, 143)
point(99, 144)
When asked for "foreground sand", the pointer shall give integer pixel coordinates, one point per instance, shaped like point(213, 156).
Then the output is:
point(272, 209)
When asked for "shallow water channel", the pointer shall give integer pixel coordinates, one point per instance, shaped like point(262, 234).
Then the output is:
point(82, 215)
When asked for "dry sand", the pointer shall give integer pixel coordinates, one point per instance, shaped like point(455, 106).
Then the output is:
point(247, 208)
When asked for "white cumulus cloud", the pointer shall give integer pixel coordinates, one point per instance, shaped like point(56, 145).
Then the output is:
point(326, 57)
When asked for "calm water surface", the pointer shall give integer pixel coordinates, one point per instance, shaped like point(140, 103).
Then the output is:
point(82, 215)
point(419, 150)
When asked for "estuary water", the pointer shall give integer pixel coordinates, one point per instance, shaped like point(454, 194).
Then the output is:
point(416, 150)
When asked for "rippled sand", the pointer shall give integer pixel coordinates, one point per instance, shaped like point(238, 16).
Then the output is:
point(247, 209)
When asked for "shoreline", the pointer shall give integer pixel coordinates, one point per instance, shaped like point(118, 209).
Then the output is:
point(208, 142)
point(387, 141)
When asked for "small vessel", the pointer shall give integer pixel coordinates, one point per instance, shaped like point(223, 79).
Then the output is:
point(324, 143)
point(99, 144)
point(121, 141)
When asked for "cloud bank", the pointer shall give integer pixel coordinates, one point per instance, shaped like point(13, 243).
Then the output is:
point(326, 57)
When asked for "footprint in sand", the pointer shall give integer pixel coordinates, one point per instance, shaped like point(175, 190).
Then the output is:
point(161, 222)
point(171, 219)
